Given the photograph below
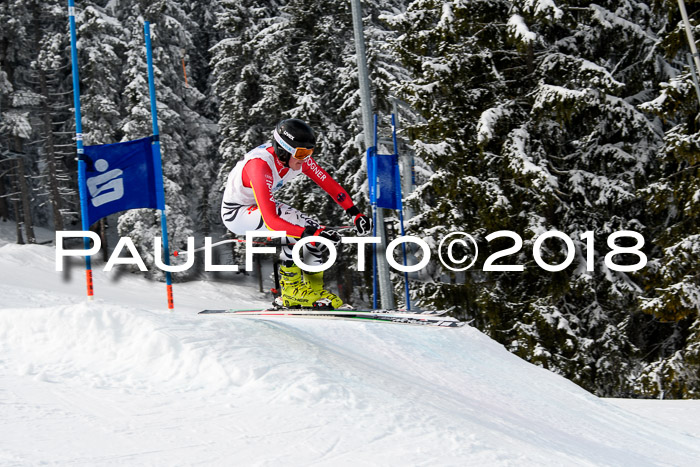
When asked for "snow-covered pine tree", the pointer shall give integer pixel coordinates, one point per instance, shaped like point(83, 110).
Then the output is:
point(238, 83)
point(314, 52)
point(531, 127)
point(297, 59)
point(671, 341)
point(446, 48)
point(240, 66)
point(449, 49)
point(602, 152)
point(100, 57)
point(186, 136)
point(200, 113)
point(48, 71)
point(197, 61)
point(15, 53)
point(28, 49)
point(14, 123)
point(6, 89)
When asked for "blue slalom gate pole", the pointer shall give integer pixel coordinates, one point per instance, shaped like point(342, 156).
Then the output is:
point(82, 187)
point(397, 178)
point(373, 202)
point(158, 165)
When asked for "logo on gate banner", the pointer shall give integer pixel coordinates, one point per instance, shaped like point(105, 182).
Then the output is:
point(119, 177)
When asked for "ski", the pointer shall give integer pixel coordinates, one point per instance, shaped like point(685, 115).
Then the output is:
point(334, 310)
point(389, 316)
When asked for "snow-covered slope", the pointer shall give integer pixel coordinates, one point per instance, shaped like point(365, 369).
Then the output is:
point(122, 381)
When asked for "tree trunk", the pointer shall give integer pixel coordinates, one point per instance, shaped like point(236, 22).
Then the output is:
point(50, 155)
point(18, 215)
point(530, 59)
point(103, 237)
point(25, 193)
point(4, 202)
point(26, 206)
point(4, 207)
point(16, 205)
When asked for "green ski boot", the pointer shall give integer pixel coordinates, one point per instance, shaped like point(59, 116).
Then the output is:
point(315, 281)
point(298, 293)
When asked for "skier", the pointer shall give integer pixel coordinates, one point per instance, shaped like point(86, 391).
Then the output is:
point(249, 204)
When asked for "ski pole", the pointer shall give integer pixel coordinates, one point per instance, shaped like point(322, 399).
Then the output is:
point(222, 242)
point(239, 240)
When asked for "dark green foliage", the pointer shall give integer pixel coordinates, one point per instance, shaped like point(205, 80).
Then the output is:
point(533, 125)
point(672, 289)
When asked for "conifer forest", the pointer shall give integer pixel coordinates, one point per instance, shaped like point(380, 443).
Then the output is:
point(528, 116)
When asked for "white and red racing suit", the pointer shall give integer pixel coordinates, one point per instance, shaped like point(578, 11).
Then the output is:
point(249, 203)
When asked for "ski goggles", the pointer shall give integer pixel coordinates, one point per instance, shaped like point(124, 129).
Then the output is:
point(300, 154)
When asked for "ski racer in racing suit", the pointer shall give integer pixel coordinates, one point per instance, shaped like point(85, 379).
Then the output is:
point(249, 204)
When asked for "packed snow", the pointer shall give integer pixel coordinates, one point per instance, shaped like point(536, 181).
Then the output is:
point(123, 381)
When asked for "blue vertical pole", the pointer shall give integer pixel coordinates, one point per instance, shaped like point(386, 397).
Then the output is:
point(371, 166)
point(157, 164)
point(397, 181)
point(82, 187)
point(373, 201)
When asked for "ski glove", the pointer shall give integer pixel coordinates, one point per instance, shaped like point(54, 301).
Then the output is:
point(363, 224)
point(332, 235)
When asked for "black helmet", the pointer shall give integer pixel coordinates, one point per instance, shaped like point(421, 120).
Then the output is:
point(290, 135)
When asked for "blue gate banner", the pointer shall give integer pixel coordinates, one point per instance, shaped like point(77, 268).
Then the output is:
point(383, 184)
point(120, 176)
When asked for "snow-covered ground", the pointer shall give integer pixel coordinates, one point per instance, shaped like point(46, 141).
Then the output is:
point(123, 381)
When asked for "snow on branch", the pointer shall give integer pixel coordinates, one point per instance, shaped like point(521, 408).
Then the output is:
point(544, 8)
point(610, 20)
point(488, 120)
point(516, 148)
point(518, 29)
